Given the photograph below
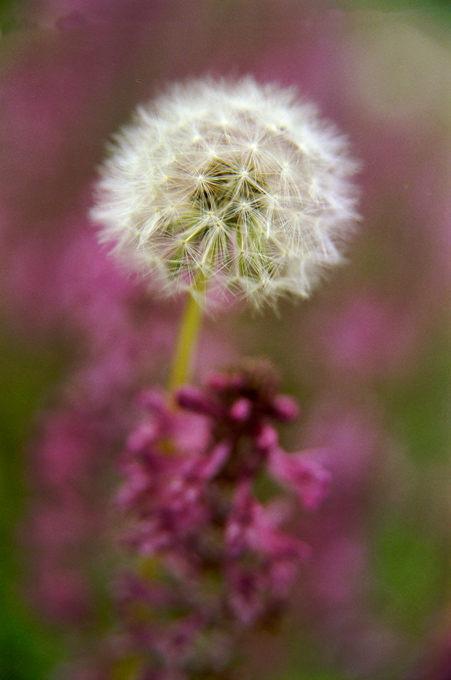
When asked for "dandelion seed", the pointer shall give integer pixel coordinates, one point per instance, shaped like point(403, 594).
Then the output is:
point(234, 182)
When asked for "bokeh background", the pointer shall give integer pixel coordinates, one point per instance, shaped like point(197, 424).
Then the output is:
point(368, 357)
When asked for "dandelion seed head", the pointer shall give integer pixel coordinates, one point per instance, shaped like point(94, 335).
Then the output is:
point(236, 182)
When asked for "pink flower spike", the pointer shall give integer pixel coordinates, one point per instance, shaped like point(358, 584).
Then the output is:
point(153, 400)
point(195, 399)
point(267, 439)
point(156, 404)
point(177, 641)
point(240, 526)
point(250, 528)
point(223, 382)
point(131, 494)
point(298, 471)
point(218, 382)
point(269, 540)
point(146, 434)
point(245, 594)
point(216, 460)
point(285, 408)
point(241, 410)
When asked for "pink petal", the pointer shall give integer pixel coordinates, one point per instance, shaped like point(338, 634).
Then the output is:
point(302, 474)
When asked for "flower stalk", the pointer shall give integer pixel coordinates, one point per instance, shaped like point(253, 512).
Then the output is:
point(187, 337)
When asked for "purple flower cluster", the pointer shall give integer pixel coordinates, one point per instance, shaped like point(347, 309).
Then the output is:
point(220, 562)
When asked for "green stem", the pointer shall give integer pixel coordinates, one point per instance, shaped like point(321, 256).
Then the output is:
point(188, 334)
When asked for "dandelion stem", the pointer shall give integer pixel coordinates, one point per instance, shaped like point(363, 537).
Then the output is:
point(188, 334)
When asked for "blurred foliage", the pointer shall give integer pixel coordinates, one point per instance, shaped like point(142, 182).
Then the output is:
point(410, 572)
point(10, 15)
point(28, 648)
point(419, 408)
point(402, 5)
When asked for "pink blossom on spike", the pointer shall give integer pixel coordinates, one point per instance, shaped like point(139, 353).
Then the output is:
point(195, 510)
point(241, 410)
point(301, 473)
point(267, 438)
point(195, 399)
point(245, 594)
point(285, 408)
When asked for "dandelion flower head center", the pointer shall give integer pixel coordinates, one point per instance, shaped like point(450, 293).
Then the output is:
point(236, 182)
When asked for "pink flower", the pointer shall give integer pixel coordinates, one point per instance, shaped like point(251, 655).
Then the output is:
point(251, 533)
point(301, 473)
point(196, 510)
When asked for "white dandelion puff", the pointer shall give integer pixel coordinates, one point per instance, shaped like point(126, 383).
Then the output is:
point(235, 182)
